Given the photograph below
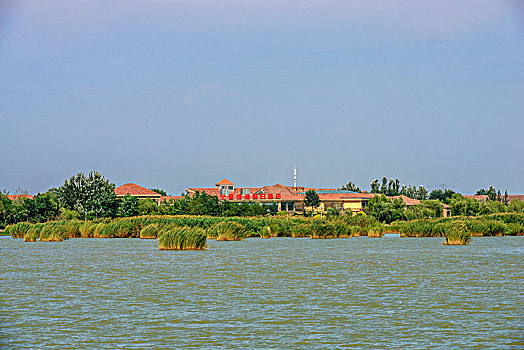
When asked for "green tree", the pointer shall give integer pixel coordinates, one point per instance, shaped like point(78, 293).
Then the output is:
point(384, 187)
point(6, 210)
point(91, 194)
point(492, 193)
point(128, 206)
point(350, 186)
point(463, 206)
point(385, 209)
point(311, 200)
point(516, 206)
point(148, 207)
point(375, 186)
point(159, 191)
point(443, 196)
point(43, 207)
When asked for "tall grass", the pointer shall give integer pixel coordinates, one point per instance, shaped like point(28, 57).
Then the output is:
point(53, 233)
point(182, 238)
point(230, 231)
point(149, 232)
point(457, 233)
point(18, 230)
point(33, 233)
point(376, 230)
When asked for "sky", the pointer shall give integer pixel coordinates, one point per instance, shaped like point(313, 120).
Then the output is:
point(177, 94)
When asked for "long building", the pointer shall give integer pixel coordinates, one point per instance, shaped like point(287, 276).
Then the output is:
point(288, 198)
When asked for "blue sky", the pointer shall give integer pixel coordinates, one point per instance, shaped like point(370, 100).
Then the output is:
point(174, 94)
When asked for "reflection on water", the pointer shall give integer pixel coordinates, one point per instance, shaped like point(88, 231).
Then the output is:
point(277, 293)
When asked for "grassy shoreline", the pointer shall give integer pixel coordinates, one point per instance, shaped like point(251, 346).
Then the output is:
point(238, 228)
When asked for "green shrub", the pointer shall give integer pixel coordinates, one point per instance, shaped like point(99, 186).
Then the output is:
point(230, 231)
point(376, 230)
point(182, 238)
point(33, 233)
point(53, 233)
point(149, 232)
point(18, 230)
point(457, 233)
point(356, 231)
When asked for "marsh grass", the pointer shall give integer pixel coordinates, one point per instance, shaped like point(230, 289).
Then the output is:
point(18, 230)
point(329, 229)
point(301, 230)
point(376, 230)
point(86, 229)
point(230, 231)
point(182, 238)
point(33, 233)
point(356, 231)
point(265, 232)
point(149, 232)
point(457, 233)
point(53, 233)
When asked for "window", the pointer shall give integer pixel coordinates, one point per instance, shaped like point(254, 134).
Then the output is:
point(231, 188)
point(245, 191)
point(291, 206)
point(283, 206)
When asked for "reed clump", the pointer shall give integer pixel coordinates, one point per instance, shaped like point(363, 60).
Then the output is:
point(149, 232)
point(53, 233)
point(329, 229)
point(33, 233)
point(457, 233)
point(18, 230)
point(356, 231)
point(230, 231)
point(265, 232)
point(301, 230)
point(182, 238)
point(376, 230)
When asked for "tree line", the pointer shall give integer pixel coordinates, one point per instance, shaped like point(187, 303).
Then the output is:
point(92, 196)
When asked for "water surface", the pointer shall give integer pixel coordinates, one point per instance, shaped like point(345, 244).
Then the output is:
point(281, 293)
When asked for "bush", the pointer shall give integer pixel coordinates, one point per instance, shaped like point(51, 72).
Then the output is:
point(53, 233)
point(182, 238)
point(33, 233)
point(457, 233)
point(230, 231)
point(18, 230)
point(376, 230)
point(149, 232)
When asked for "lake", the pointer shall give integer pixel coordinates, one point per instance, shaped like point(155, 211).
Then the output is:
point(280, 293)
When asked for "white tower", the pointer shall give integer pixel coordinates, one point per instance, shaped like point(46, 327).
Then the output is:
point(295, 177)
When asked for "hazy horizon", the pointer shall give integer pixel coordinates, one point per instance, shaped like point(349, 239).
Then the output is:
point(177, 94)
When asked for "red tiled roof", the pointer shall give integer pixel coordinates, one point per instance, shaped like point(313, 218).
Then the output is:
point(224, 182)
point(479, 197)
point(135, 190)
point(212, 191)
point(408, 201)
point(515, 196)
point(18, 196)
point(168, 198)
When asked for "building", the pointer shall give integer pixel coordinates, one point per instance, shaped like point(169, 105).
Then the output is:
point(137, 191)
point(288, 198)
point(15, 197)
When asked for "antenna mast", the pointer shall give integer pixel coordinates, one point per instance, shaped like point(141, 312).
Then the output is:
point(295, 177)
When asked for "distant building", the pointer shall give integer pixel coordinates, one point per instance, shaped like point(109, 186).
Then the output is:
point(15, 197)
point(137, 191)
point(287, 198)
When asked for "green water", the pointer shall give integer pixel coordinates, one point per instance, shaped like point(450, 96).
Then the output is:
point(281, 293)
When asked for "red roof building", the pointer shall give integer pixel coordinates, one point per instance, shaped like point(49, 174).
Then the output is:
point(288, 198)
point(14, 197)
point(136, 191)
